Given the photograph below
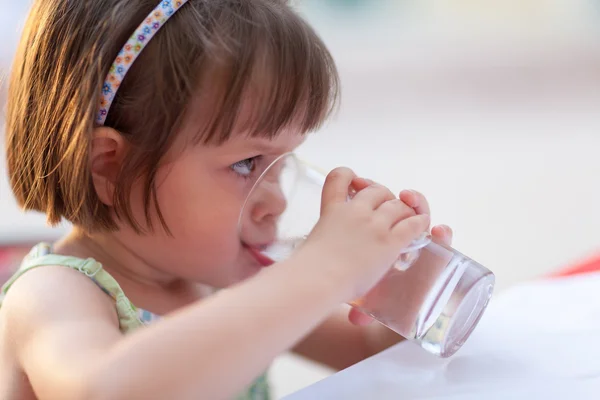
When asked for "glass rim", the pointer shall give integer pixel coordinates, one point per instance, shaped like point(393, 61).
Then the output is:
point(418, 244)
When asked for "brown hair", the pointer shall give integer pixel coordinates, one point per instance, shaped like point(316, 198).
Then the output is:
point(67, 49)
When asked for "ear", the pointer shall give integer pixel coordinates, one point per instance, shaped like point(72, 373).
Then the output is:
point(106, 157)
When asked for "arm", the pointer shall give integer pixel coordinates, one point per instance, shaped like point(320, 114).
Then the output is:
point(339, 344)
point(67, 341)
point(65, 336)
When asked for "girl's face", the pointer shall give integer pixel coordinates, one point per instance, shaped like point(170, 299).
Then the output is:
point(201, 192)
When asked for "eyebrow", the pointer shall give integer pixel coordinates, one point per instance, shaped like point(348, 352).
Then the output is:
point(264, 146)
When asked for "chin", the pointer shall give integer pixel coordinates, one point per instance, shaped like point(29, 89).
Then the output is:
point(247, 271)
point(223, 272)
point(245, 268)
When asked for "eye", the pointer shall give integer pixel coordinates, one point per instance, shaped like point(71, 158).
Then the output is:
point(245, 168)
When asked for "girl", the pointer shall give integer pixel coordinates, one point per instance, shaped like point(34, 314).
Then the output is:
point(149, 147)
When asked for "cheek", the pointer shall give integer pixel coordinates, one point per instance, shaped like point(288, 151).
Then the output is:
point(201, 215)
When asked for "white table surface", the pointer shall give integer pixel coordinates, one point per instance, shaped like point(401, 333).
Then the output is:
point(537, 341)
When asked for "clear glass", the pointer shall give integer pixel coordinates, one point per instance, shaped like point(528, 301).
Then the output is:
point(433, 295)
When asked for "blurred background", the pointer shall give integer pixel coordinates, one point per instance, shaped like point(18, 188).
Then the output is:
point(491, 108)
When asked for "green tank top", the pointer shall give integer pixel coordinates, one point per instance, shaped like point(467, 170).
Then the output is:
point(130, 317)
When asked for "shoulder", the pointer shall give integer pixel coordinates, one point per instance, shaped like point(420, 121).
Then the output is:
point(50, 294)
point(57, 325)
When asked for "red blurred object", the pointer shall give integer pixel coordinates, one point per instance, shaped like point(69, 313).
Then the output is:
point(10, 258)
point(592, 265)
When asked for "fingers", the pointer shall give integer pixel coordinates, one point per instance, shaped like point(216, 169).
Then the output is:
point(374, 195)
point(400, 212)
point(358, 318)
point(394, 211)
point(336, 187)
point(416, 200)
point(411, 228)
point(442, 234)
point(359, 184)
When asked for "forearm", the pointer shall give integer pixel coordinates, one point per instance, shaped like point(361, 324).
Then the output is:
point(216, 348)
point(338, 344)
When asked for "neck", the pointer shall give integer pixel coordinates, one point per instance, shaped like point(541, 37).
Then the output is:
point(115, 257)
point(147, 286)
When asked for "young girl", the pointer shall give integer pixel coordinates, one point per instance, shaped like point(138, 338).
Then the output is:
point(149, 147)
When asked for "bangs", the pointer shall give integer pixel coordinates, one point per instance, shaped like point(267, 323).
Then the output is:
point(268, 71)
point(235, 67)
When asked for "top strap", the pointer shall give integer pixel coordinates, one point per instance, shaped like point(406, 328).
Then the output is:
point(41, 256)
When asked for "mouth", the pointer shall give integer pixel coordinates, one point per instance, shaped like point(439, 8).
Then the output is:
point(257, 253)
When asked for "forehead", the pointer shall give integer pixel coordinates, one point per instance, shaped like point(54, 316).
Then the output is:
point(239, 145)
point(286, 141)
point(202, 115)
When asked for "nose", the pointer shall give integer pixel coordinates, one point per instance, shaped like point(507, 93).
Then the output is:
point(268, 203)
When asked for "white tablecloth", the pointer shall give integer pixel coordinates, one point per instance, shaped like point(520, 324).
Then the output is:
point(537, 341)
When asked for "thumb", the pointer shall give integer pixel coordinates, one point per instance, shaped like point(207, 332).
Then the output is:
point(335, 189)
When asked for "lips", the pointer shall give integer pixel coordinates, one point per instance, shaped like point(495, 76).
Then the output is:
point(257, 254)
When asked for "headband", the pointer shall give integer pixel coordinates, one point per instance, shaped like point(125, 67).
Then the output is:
point(132, 49)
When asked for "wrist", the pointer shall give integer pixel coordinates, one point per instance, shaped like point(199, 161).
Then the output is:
point(320, 270)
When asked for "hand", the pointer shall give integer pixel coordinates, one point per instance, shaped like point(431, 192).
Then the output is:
point(441, 234)
point(356, 241)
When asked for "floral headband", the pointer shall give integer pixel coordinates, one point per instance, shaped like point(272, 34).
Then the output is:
point(132, 49)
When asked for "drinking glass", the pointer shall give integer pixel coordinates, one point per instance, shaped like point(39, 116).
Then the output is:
point(432, 295)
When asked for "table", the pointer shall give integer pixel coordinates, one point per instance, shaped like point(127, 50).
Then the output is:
point(537, 340)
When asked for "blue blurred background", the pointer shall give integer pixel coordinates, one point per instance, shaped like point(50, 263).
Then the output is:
point(489, 107)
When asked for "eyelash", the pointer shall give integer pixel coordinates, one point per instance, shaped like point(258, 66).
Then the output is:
point(244, 164)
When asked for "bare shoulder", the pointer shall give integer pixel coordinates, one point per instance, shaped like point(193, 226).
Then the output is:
point(57, 324)
point(50, 294)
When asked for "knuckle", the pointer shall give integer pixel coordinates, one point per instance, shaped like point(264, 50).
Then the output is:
point(403, 210)
point(419, 225)
point(407, 211)
point(411, 226)
point(382, 231)
point(360, 211)
point(382, 191)
point(339, 173)
point(381, 225)
point(370, 192)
